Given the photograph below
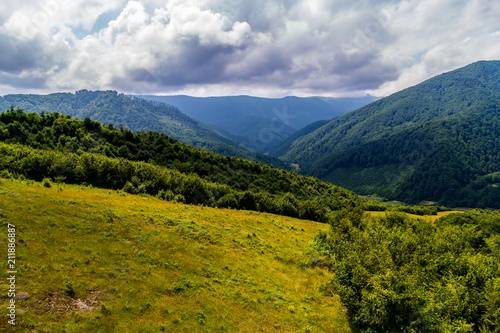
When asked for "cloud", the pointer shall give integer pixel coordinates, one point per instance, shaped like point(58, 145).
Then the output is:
point(267, 48)
point(170, 46)
point(435, 37)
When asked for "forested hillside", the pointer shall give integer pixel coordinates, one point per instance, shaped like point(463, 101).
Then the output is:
point(262, 124)
point(137, 115)
point(84, 151)
point(437, 141)
point(284, 146)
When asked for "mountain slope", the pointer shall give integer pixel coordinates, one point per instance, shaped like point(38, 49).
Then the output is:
point(284, 146)
point(261, 123)
point(135, 114)
point(434, 141)
point(94, 260)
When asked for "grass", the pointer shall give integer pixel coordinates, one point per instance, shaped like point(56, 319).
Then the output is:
point(93, 260)
point(425, 217)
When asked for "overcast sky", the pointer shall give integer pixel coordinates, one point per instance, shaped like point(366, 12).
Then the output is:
point(269, 48)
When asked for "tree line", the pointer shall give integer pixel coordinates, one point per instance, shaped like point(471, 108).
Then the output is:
point(84, 151)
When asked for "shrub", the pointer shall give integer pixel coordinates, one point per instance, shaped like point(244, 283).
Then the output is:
point(167, 195)
point(129, 188)
point(5, 174)
point(179, 198)
point(46, 183)
point(105, 310)
point(70, 290)
point(375, 206)
point(228, 201)
point(400, 274)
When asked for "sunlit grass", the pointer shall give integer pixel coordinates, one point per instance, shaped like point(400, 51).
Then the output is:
point(426, 217)
point(94, 260)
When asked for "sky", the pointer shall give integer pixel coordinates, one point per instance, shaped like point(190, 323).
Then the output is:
point(267, 48)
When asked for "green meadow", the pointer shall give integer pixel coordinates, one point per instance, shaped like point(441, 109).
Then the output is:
point(95, 260)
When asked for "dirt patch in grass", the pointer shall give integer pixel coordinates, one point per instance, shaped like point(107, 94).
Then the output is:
point(60, 303)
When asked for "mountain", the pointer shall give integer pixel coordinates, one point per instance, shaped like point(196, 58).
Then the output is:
point(261, 124)
point(284, 146)
point(103, 209)
point(436, 141)
point(137, 115)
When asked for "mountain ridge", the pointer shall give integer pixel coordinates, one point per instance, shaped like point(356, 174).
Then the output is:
point(261, 124)
point(137, 115)
point(435, 120)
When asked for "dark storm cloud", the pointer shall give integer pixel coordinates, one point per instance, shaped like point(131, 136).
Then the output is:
point(29, 81)
point(15, 56)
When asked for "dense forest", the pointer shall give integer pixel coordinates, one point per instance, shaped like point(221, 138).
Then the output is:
point(437, 141)
point(56, 146)
point(400, 274)
point(135, 114)
point(284, 146)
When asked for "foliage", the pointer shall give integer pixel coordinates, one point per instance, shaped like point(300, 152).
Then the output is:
point(152, 163)
point(284, 146)
point(400, 274)
point(436, 141)
point(137, 115)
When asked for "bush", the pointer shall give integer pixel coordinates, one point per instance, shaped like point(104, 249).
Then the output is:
point(312, 210)
point(179, 198)
point(46, 183)
point(70, 290)
point(399, 274)
point(6, 174)
point(167, 195)
point(228, 201)
point(128, 188)
point(375, 206)
point(288, 205)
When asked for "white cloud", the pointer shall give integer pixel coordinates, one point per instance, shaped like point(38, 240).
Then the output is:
point(138, 42)
point(34, 18)
point(264, 47)
point(435, 37)
point(210, 28)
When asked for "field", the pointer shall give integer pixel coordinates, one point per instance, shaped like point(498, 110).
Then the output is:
point(426, 217)
point(93, 260)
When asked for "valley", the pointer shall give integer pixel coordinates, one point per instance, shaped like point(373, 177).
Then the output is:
point(129, 228)
point(262, 124)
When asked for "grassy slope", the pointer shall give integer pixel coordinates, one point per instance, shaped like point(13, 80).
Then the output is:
point(138, 264)
point(425, 217)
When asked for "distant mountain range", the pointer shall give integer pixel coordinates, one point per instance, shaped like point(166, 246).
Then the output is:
point(137, 115)
point(261, 124)
point(437, 141)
